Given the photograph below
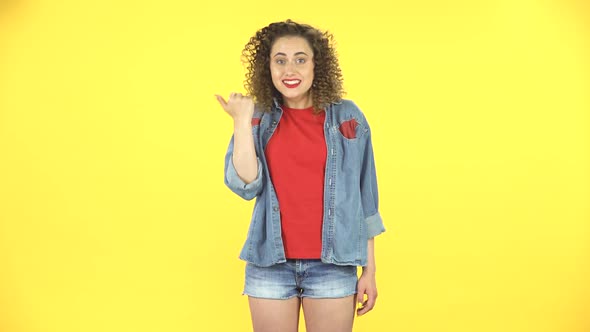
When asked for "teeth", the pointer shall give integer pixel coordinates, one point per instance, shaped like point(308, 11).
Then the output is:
point(292, 82)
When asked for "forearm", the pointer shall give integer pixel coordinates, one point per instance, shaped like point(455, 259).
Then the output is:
point(244, 153)
point(370, 268)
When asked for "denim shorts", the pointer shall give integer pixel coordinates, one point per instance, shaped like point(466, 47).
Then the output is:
point(300, 277)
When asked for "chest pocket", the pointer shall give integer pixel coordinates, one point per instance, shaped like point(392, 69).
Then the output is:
point(351, 129)
point(256, 120)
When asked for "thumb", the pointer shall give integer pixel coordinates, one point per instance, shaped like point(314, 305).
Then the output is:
point(221, 101)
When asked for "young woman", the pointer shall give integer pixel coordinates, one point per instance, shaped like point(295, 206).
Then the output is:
point(306, 155)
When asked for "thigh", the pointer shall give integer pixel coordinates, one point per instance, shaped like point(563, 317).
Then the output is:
point(270, 315)
point(329, 314)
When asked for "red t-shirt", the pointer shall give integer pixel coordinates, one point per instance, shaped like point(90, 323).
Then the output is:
point(296, 158)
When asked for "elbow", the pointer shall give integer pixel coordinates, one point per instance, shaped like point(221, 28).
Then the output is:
point(248, 187)
point(243, 194)
point(248, 195)
point(374, 225)
point(249, 179)
point(245, 190)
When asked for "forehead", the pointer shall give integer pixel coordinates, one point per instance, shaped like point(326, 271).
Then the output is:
point(290, 45)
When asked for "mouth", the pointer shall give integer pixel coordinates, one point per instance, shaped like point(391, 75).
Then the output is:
point(291, 84)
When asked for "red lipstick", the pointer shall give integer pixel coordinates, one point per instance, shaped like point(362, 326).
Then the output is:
point(291, 84)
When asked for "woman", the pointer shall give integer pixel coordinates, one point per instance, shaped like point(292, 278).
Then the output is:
point(306, 155)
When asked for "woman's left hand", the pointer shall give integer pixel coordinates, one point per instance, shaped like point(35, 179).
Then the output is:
point(366, 285)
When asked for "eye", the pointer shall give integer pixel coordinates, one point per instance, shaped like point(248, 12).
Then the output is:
point(280, 61)
point(301, 60)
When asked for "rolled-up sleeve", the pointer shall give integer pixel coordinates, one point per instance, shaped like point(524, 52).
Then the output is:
point(369, 191)
point(232, 180)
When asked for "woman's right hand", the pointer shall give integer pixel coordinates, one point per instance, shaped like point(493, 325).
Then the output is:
point(241, 109)
point(238, 106)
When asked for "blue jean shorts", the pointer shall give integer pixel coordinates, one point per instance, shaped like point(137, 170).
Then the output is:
point(300, 277)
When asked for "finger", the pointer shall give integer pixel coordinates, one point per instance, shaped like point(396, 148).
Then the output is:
point(221, 101)
point(371, 301)
point(363, 309)
point(369, 304)
point(360, 295)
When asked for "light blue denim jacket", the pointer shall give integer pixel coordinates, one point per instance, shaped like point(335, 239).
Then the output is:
point(351, 214)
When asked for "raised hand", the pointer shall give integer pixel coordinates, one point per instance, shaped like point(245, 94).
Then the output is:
point(238, 106)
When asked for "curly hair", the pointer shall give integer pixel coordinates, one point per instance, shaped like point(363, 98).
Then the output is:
point(327, 83)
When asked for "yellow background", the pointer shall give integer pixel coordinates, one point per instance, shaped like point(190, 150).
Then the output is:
point(114, 215)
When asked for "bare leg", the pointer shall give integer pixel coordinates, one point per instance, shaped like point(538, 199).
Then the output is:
point(329, 315)
point(274, 315)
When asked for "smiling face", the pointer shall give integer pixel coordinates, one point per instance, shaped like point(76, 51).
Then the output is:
point(291, 68)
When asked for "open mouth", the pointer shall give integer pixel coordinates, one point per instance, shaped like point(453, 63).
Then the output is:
point(291, 83)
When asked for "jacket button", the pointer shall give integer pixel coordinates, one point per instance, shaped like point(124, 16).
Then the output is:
point(276, 208)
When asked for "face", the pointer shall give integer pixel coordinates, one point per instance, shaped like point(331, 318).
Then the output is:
point(291, 68)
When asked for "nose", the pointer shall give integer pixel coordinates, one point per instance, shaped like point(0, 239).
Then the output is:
point(289, 67)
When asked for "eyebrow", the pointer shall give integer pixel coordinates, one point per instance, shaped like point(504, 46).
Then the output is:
point(298, 53)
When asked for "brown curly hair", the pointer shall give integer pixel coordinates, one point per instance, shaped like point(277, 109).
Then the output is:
point(327, 83)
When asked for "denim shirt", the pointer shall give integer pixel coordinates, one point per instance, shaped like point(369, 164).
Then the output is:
point(351, 215)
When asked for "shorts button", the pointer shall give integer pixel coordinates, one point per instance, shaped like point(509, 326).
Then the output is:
point(276, 208)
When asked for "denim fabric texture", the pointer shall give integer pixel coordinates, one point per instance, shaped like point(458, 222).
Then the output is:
point(300, 277)
point(351, 201)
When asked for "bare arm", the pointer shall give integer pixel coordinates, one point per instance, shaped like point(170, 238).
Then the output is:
point(370, 268)
point(244, 154)
point(367, 283)
point(241, 109)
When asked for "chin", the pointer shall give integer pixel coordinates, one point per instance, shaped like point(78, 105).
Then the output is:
point(292, 95)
